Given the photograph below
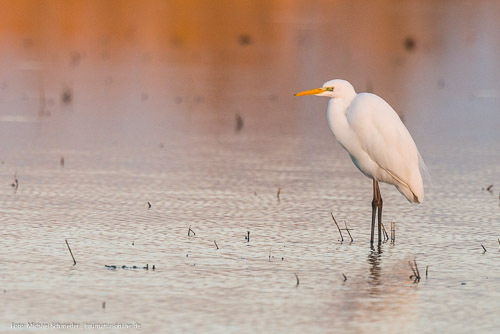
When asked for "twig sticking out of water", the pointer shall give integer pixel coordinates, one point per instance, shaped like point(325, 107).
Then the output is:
point(74, 261)
point(386, 236)
point(278, 194)
point(393, 232)
point(426, 271)
point(248, 236)
point(297, 278)
point(215, 242)
point(269, 255)
point(414, 269)
point(483, 248)
point(16, 183)
point(345, 277)
point(489, 188)
point(149, 205)
point(341, 237)
point(190, 231)
point(154, 267)
point(347, 229)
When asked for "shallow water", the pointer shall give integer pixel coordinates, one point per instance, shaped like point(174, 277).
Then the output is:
point(152, 118)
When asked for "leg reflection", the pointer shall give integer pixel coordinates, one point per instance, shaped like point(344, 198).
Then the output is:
point(374, 260)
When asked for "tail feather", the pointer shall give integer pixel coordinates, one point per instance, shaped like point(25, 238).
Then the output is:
point(410, 195)
point(423, 169)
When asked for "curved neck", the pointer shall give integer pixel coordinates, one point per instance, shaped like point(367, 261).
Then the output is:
point(337, 120)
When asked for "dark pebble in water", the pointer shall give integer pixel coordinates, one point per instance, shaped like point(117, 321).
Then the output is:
point(463, 283)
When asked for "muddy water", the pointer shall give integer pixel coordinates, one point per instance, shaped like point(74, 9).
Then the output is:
point(143, 102)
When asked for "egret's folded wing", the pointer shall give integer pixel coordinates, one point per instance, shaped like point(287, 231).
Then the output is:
point(388, 143)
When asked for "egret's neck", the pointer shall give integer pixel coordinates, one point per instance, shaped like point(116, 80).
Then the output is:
point(337, 120)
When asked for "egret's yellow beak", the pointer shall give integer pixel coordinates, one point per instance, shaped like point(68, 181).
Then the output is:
point(311, 92)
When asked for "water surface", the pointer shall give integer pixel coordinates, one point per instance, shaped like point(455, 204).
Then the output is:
point(155, 95)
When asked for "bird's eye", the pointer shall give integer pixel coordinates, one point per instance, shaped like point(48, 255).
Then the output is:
point(329, 89)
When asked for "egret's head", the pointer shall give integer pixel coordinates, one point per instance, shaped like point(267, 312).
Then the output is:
point(336, 88)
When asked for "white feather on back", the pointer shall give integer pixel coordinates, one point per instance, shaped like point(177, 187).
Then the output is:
point(385, 139)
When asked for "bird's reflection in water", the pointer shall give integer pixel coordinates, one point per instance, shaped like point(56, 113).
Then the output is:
point(374, 260)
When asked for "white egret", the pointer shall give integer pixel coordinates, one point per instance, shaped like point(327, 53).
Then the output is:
point(379, 144)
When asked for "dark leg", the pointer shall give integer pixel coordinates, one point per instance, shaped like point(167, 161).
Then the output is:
point(374, 209)
point(379, 206)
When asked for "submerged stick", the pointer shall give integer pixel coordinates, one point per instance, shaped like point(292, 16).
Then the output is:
point(386, 236)
point(74, 261)
point(341, 237)
point(414, 269)
point(278, 194)
point(190, 231)
point(347, 229)
point(426, 271)
point(297, 278)
point(393, 232)
point(15, 185)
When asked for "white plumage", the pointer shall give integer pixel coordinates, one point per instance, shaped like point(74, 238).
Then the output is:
point(379, 144)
